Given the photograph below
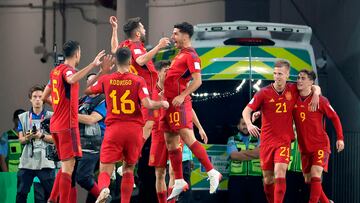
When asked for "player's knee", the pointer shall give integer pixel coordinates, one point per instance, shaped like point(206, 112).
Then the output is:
point(187, 135)
point(316, 171)
point(280, 170)
point(268, 180)
point(160, 174)
point(128, 168)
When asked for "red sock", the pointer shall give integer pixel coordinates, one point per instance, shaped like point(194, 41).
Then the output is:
point(103, 180)
point(127, 186)
point(169, 193)
point(94, 191)
point(269, 192)
point(175, 157)
point(162, 197)
point(199, 151)
point(55, 190)
point(315, 190)
point(323, 197)
point(73, 195)
point(279, 190)
point(65, 187)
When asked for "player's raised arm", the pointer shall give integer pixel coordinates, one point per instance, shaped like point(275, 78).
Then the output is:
point(143, 59)
point(114, 37)
point(83, 72)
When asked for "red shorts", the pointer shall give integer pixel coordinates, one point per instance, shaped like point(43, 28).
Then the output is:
point(176, 118)
point(122, 141)
point(67, 143)
point(318, 158)
point(158, 152)
point(269, 155)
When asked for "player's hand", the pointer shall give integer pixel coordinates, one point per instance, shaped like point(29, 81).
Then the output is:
point(107, 64)
point(97, 61)
point(165, 104)
point(255, 116)
point(163, 42)
point(340, 145)
point(178, 100)
point(113, 22)
point(253, 130)
point(314, 104)
point(203, 135)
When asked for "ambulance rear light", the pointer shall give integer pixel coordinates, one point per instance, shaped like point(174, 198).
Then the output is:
point(249, 42)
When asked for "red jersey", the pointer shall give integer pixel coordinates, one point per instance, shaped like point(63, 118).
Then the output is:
point(310, 126)
point(65, 99)
point(147, 71)
point(124, 92)
point(178, 76)
point(276, 110)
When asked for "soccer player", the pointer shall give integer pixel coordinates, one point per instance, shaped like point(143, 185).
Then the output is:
point(125, 93)
point(64, 89)
point(177, 120)
point(314, 143)
point(158, 152)
point(276, 102)
point(141, 61)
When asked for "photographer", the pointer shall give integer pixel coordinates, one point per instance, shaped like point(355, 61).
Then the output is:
point(92, 112)
point(33, 162)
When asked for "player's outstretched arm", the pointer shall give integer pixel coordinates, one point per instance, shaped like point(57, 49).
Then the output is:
point(253, 130)
point(143, 59)
point(197, 123)
point(83, 72)
point(114, 36)
point(151, 104)
point(91, 119)
point(107, 65)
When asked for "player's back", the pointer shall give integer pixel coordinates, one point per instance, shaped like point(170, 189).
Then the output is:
point(64, 98)
point(124, 92)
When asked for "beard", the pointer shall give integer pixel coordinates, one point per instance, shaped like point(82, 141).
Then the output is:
point(142, 38)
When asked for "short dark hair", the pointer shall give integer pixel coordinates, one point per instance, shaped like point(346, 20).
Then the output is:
point(281, 63)
point(34, 89)
point(185, 27)
point(90, 74)
point(311, 74)
point(123, 55)
point(70, 47)
point(131, 25)
point(17, 112)
point(162, 64)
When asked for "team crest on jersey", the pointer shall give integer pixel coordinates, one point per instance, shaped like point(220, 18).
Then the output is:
point(288, 96)
point(302, 106)
point(56, 72)
point(272, 100)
